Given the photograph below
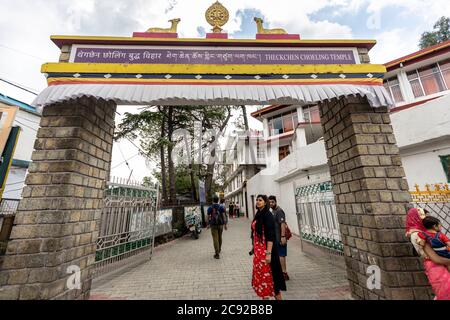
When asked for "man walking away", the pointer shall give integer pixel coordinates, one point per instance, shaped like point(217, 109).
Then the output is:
point(231, 209)
point(217, 222)
point(280, 233)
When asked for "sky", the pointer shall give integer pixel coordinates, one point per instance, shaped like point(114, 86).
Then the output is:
point(26, 27)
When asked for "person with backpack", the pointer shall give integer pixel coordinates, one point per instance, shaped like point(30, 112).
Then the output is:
point(438, 240)
point(280, 233)
point(217, 222)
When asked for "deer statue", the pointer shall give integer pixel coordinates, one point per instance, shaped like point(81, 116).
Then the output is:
point(261, 30)
point(172, 29)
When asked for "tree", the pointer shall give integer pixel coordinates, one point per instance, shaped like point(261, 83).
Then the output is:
point(440, 33)
point(156, 126)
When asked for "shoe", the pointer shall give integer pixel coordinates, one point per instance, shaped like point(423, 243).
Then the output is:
point(286, 276)
point(216, 256)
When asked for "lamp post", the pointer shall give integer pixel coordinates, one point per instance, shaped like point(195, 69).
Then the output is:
point(202, 194)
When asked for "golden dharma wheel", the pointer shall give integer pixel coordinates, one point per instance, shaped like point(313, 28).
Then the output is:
point(217, 16)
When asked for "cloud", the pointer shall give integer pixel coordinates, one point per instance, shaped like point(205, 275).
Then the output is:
point(391, 45)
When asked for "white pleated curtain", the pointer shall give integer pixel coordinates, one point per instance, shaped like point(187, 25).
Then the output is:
point(212, 94)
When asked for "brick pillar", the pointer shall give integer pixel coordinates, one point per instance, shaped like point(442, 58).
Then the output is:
point(371, 198)
point(58, 219)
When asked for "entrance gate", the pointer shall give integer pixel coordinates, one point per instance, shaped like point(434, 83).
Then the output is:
point(57, 224)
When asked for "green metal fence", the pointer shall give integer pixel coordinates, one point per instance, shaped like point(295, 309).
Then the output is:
point(127, 227)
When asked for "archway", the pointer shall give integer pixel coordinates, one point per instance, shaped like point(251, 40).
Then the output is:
point(72, 153)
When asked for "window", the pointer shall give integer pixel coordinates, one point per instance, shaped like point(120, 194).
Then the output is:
point(260, 150)
point(295, 118)
point(393, 87)
point(431, 79)
point(445, 160)
point(277, 125)
point(288, 124)
point(445, 70)
point(311, 114)
point(283, 152)
point(414, 81)
point(283, 123)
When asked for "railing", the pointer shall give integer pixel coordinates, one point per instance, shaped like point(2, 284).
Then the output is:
point(317, 217)
point(127, 227)
point(8, 208)
point(436, 199)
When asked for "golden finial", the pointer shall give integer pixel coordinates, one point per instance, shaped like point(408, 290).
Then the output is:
point(172, 29)
point(446, 187)
point(427, 187)
point(262, 30)
point(417, 187)
point(217, 16)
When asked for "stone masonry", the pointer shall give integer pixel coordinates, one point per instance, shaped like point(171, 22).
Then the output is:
point(58, 219)
point(371, 198)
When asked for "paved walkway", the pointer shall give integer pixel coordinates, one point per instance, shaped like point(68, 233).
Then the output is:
point(185, 269)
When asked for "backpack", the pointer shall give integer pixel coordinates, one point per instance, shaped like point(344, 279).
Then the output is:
point(435, 242)
point(218, 217)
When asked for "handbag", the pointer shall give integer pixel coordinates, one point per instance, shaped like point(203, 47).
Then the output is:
point(288, 232)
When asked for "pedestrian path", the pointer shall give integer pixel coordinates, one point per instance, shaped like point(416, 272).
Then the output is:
point(186, 269)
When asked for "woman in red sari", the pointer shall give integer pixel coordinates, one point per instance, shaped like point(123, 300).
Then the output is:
point(436, 267)
point(267, 279)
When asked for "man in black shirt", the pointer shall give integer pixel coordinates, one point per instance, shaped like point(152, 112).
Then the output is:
point(280, 232)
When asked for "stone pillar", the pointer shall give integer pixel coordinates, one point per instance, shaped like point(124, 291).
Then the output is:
point(371, 198)
point(58, 219)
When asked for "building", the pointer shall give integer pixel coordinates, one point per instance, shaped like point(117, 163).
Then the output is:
point(419, 83)
point(244, 157)
point(299, 176)
point(27, 118)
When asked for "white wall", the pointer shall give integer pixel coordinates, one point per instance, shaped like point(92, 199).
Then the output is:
point(29, 123)
point(15, 183)
point(422, 164)
point(282, 180)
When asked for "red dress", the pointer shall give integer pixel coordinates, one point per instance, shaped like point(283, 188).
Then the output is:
point(262, 281)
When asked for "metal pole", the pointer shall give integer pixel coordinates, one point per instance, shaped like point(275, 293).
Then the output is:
point(154, 220)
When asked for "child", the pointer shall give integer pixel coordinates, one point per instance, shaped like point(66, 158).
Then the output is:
point(438, 241)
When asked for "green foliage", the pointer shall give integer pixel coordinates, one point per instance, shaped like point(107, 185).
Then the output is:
point(155, 126)
point(440, 33)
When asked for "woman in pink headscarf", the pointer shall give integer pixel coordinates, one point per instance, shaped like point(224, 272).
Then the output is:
point(436, 267)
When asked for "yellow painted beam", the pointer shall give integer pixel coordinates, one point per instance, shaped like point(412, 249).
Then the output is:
point(209, 69)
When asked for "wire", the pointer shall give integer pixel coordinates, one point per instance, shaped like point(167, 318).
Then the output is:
point(11, 184)
point(128, 165)
point(27, 120)
point(13, 190)
point(21, 52)
point(26, 126)
point(18, 86)
point(118, 165)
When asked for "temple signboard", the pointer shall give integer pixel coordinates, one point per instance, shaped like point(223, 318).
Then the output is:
point(208, 55)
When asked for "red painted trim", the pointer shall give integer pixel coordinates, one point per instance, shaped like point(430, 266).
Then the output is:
point(203, 42)
point(154, 35)
point(230, 83)
point(268, 109)
point(301, 124)
point(420, 55)
point(217, 36)
point(281, 136)
point(410, 105)
point(262, 36)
